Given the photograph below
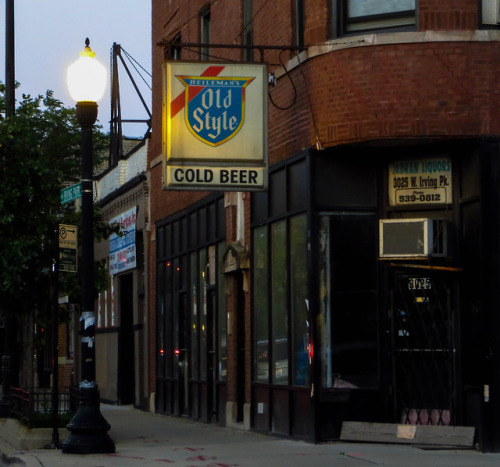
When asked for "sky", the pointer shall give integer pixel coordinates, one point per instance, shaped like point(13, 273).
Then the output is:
point(50, 34)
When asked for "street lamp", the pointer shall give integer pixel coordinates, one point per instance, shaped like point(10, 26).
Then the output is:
point(88, 428)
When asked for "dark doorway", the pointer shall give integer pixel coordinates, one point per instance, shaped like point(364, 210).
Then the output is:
point(126, 358)
point(424, 350)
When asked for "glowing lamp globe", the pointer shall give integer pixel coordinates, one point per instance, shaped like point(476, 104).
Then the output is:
point(86, 77)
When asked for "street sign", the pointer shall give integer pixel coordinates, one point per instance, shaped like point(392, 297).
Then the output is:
point(68, 248)
point(71, 193)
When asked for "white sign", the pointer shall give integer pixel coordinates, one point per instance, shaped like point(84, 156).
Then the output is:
point(215, 126)
point(420, 181)
point(122, 256)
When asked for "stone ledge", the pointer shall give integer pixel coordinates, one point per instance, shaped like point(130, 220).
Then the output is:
point(20, 437)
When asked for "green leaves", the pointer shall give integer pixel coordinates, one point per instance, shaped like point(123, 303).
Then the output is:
point(39, 150)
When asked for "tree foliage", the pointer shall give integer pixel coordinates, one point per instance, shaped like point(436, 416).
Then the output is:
point(39, 152)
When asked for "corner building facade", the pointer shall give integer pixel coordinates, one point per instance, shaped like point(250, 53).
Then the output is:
point(363, 284)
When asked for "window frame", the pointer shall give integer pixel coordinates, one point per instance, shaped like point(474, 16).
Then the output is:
point(248, 30)
point(205, 32)
point(488, 18)
point(342, 26)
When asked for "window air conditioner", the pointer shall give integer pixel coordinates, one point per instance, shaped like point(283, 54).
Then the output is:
point(491, 12)
point(413, 238)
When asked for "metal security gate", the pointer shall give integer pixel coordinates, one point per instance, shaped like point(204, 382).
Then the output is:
point(423, 349)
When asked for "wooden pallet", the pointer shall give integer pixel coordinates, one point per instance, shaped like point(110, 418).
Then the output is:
point(436, 435)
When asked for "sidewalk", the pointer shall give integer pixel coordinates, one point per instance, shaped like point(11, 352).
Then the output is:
point(148, 439)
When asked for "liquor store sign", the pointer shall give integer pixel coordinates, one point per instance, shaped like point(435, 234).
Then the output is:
point(420, 181)
point(215, 126)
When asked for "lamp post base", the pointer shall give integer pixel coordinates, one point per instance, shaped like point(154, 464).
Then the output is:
point(89, 429)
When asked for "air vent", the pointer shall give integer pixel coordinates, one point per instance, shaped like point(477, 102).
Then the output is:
point(413, 238)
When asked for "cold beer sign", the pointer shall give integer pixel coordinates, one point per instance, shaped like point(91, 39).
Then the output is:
point(215, 126)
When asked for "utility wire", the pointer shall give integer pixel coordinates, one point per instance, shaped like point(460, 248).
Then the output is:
point(293, 86)
point(133, 61)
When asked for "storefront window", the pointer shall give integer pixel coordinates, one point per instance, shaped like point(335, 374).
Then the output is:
point(279, 307)
point(190, 299)
point(299, 300)
point(161, 322)
point(222, 314)
point(366, 15)
point(167, 323)
point(175, 316)
point(203, 284)
point(261, 308)
point(193, 284)
point(348, 306)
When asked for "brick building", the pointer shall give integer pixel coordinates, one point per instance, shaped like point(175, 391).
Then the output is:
point(121, 310)
point(362, 284)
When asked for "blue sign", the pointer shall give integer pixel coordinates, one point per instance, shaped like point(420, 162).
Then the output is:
point(214, 107)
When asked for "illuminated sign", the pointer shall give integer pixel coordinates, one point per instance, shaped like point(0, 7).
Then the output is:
point(215, 126)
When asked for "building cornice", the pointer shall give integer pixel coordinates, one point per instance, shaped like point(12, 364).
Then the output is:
point(368, 40)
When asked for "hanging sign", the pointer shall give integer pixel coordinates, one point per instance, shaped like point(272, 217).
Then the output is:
point(215, 126)
point(420, 181)
point(122, 252)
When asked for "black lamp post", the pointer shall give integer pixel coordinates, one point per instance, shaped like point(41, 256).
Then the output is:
point(88, 428)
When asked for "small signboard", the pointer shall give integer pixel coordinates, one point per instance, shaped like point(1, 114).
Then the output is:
point(122, 253)
point(215, 126)
point(71, 193)
point(68, 248)
point(420, 181)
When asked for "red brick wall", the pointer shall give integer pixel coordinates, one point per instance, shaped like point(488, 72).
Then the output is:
point(431, 89)
point(428, 89)
point(447, 14)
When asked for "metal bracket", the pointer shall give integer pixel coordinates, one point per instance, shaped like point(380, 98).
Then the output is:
point(171, 45)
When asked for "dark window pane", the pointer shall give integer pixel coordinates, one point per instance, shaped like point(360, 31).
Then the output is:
point(261, 305)
point(193, 229)
point(203, 284)
point(298, 176)
point(212, 222)
point(221, 315)
point(347, 281)
point(160, 242)
point(299, 300)
point(354, 251)
point(259, 206)
point(193, 295)
point(168, 240)
point(168, 319)
point(279, 303)
point(176, 237)
point(277, 190)
point(184, 233)
point(202, 217)
point(221, 219)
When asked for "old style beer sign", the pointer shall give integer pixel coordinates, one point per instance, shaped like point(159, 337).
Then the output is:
point(215, 126)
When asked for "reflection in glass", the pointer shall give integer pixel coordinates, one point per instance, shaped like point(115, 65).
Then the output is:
point(279, 303)
point(299, 303)
point(261, 308)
